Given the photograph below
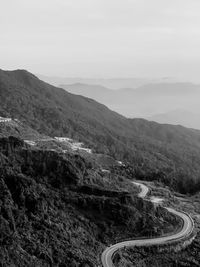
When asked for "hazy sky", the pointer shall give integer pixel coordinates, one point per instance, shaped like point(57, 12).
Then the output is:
point(102, 38)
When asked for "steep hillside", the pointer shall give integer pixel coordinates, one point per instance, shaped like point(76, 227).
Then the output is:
point(168, 257)
point(52, 110)
point(16, 128)
point(54, 213)
point(167, 153)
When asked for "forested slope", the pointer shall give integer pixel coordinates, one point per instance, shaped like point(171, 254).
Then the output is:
point(54, 213)
point(163, 152)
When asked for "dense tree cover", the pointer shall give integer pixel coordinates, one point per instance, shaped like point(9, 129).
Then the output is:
point(151, 257)
point(167, 256)
point(52, 213)
point(160, 152)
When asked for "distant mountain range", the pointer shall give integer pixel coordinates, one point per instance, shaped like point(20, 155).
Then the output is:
point(148, 100)
point(178, 117)
point(112, 83)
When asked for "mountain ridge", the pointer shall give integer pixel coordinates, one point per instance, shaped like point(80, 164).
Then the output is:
point(143, 101)
point(178, 117)
point(156, 151)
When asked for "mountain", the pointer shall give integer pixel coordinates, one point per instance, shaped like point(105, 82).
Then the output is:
point(113, 83)
point(166, 89)
point(170, 154)
point(96, 92)
point(183, 117)
point(145, 100)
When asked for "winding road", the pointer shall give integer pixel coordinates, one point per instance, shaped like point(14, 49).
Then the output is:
point(186, 230)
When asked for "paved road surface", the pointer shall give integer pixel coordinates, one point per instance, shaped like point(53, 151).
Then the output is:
point(187, 228)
